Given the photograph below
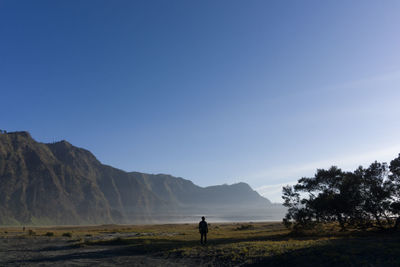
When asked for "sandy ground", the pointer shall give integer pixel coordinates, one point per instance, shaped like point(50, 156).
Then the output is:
point(18, 250)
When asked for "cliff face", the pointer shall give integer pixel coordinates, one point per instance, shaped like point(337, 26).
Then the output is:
point(59, 183)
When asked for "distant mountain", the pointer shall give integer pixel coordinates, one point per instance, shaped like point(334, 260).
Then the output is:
point(59, 183)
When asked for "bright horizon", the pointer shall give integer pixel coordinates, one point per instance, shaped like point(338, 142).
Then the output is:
point(262, 92)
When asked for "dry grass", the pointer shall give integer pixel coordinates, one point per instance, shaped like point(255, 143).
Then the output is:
point(237, 244)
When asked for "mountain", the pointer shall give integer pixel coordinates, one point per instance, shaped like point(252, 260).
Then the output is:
point(59, 183)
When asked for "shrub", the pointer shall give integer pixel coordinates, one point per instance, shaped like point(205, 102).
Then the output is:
point(31, 232)
point(49, 234)
point(68, 234)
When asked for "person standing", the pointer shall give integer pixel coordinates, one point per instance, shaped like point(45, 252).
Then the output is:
point(203, 229)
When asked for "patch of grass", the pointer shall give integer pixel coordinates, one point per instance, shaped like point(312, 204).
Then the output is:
point(112, 242)
point(244, 227)
point(31, 232)
point(262, 244)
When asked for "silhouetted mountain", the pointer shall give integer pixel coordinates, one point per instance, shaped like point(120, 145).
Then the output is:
point(59, 183)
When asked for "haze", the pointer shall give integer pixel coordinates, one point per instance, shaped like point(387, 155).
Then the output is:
point(262, 92)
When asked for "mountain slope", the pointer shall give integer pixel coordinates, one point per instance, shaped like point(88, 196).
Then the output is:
point(59, 183)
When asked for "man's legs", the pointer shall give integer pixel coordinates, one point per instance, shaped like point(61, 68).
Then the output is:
point(205, 238)
point(201, 239)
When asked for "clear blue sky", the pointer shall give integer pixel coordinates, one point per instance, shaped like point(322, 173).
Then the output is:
point(213, 91)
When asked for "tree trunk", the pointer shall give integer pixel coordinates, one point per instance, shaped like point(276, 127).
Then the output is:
point(388, 220)
point(378, 220)
point(397, 223)
point(341, 222)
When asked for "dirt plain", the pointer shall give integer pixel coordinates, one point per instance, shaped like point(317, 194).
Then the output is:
point(229, 244)
point(22, 248)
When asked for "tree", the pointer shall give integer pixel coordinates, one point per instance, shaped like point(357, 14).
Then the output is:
point(394, 185)
point(363, 198)
point(376, 192)
point(326, 200)
point(295, 212)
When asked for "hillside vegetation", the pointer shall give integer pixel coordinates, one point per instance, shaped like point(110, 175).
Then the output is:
point(58, 183)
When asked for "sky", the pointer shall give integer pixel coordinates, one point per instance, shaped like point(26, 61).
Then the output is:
point(216, 92)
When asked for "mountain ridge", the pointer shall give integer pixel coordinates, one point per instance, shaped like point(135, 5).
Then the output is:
point(58, 183)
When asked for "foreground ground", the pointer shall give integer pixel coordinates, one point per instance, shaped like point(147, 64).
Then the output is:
point(234, 244)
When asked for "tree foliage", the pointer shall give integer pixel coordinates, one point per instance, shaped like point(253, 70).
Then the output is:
point(363, 198)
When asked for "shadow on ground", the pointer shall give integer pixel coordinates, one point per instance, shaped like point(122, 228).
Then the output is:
point(357, 249)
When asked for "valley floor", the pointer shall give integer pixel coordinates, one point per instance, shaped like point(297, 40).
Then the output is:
point(230, 244)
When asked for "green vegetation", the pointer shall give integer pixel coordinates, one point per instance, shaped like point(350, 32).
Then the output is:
point(244, 227)
point(67, 234)
point(4, 220)
point(264, 244)
point(364, 198)
point(73, 174)
point(36, 221)
point(49, 234)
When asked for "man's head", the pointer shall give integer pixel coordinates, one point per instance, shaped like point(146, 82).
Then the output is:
point(203, 218)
